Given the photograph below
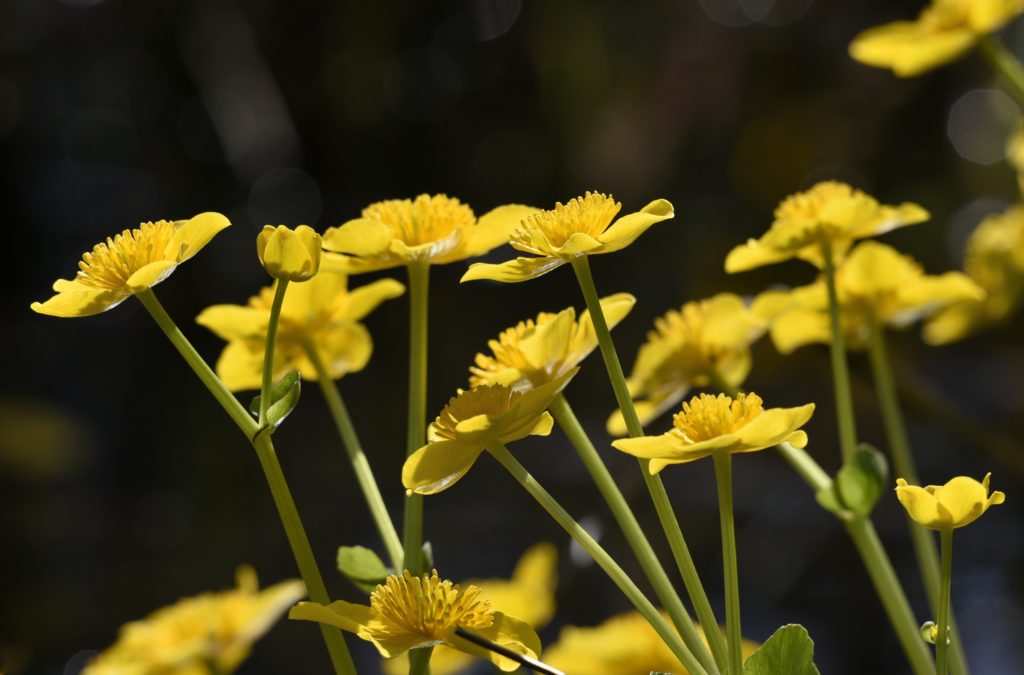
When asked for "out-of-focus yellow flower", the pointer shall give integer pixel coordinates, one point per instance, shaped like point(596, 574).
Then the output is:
point(534, 352)
point(682, 349)
point(959, 502)
point(289, 254)
point(472, 420)
point(625, 644)
point(432, 229)
point(130, 263)
point(209, 632)
point(529, 595)
point(829, 214)
point(321, 313)
point(582, 227)
point(710, 425)
point(945, 30)
point(407, 612)
point(995, 260)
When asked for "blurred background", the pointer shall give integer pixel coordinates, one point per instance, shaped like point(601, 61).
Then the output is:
point(124, 487)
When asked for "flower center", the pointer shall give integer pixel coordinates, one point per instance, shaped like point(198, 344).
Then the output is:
point(506, 352)
point(492, 400)
point(429, 606)
point(427, 219)
point(809, 204)
point(590, 214)
point(109, 265)
point(705, 417)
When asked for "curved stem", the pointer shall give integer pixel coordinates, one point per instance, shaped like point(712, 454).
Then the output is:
point(600, 556)
point(840, 369)
point(942, 641)
point(723, 478)
point(1004, 64)
point(416, 428)
point(268, 354)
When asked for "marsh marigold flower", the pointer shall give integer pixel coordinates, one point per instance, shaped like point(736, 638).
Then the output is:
point(582, 227)
point(959, 502)
point(830, 214)
point(129, 263)
point(709, 425)
point(432, 229)
point(289, 254)
point(321, 314)
point(406, 612)
point(213, 631)
point(945, 30)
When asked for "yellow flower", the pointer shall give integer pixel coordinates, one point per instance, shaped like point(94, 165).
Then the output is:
point(529, 595)
point(472, 420)
point(407, 612)
point(433, 229)
point(582, 227)
point(710, 425)
point(830, 213)
point(213, 631)
point(959, 502)
point(944, 31)
point(289, 254)
point(534, 352)
point(130, 263)
point(683, 347)
point(321, 313)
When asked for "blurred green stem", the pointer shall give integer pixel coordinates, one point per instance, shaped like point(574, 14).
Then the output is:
point(942, 640)
point(840, 369)
point(268, 354)
point(1004, 64)
point(723, 478)
point(416, 428)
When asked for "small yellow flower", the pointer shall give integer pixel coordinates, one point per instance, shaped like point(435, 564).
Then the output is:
point(130, 263)
point(321, 313)
point(534, 352)
point(959, 502)
point(681, 350)
point(289, 254)
point(944, 31)
point(213, 631)
point(407, 612)
point(471, 421)
point(582, 227)
point(433, 229)
point(710, 425)
point(829, 214)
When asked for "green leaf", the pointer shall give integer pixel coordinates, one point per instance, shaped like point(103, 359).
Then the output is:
point(829, 500)
point(790, 651)
point(284, 396)
point(862, 480)
point(362, 567)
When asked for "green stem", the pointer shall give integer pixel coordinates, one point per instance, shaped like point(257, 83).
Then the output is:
point(840, 369)
point(416, 429)
point(942, 641)
point(637, 540)
point(600, 556)
point(723, 477)
point(357, 458)
point(419, 660)
point(268, 353)
point(1005, 64)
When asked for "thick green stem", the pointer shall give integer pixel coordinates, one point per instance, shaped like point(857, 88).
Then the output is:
point(357, 458)
point(1007, 66)
point(416, 428)
point(600, 556)
point(637, 540)
point(723, 477)
point(942, 640)
point(268, 353)
point(840, 369)
point(419, 660)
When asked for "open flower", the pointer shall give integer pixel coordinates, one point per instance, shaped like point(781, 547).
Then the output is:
point(320, 314)
point(685, 345)
point(130, 263)
point(710, 425)
point(213, 631)
point(944, 31)
point(471, 421)
point(830, 214)
point(289, 254)
point(959, 502)
point(432, 229)
point(582, 227)
point(407, 612)
point(534, 352)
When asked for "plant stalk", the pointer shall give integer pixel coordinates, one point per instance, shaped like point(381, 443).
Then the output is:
point(268, 354)
point(416, 428)
point(840, 368)
point(723, 478)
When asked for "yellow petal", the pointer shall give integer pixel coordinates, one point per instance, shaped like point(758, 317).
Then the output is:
point(76, 299)
point(549, 341)
point(150, 275)
point(437, 466)
point(964, 498)
point(289, 254)
point(664, 445)
point(774, 426)
point(235, 322)
point(628, 228)
point(193, 234)
point(751, 255)
point(344, 615)
point(240, 365)
point(931, 293)
point(344, 348)
point(797, 327)
point(537, 568)
point(494, 227)
point(506, 631)
point(577, 244)
point(922, 506)
point(513, 271)
point(909, 48)
point(986, 16)
point(359, 237)
point(954, 323)
point(543, 426)
point(363, 300)
point(615, 308)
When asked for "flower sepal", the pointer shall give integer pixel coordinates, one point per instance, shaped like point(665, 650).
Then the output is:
point(284, 396)
point(362, 567)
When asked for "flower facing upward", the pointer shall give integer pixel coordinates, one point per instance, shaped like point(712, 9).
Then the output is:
point(534, 352)
point(471, 421)
point(582, 227)
point(944, 31)
point(685, 345)
point(710, 425)
point(829, 214)
point(407, 612)
point(130, 263)
point(432, 229)
point(289, 254)
point(959, 502)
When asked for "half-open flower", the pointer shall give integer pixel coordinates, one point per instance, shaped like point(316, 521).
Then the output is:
point(473, 420)
point(959, 502)
point(582, 227)
point(289, 254)
point(130, 263)
point(710, 425)
point(407, 612)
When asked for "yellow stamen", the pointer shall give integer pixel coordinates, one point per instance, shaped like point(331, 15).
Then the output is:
point(429, 606)
point(488, 400)
point(705, 417)
point(505, 351)
point(810, 203)
point(109, 265)
point(427, 219)
point(590, 214)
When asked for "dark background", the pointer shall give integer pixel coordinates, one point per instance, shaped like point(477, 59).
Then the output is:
point(124, 487)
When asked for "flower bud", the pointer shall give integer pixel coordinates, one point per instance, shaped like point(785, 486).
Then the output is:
point(289, 254)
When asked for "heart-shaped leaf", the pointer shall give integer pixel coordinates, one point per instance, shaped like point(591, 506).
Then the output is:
point(789, 651)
